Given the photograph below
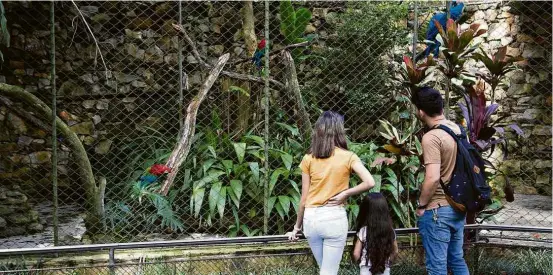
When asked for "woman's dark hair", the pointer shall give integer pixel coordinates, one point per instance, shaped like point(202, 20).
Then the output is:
point(328, 133)
point(429, 100)
point(379, 241)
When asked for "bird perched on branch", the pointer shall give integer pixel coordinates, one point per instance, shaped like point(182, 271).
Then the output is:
point(455, 13)
point(257, 58)
point(153, 173)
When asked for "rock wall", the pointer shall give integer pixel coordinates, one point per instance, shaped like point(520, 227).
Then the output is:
point(138, 44)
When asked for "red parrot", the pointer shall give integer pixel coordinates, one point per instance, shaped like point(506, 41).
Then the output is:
point(259, 53)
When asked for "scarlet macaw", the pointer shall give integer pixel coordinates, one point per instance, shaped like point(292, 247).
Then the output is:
point(153, 173)
point(257, 58)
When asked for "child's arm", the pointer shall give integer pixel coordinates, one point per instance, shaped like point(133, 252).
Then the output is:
point(357, 250)
point(396, 251)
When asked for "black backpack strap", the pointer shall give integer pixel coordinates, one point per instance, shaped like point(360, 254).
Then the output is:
point(456, 138)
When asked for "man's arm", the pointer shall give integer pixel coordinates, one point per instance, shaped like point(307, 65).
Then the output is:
point(430, 183)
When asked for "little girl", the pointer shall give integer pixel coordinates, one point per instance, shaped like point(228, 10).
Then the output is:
point(375, 241)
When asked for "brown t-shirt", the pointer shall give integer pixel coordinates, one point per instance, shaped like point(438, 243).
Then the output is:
point(439, 147)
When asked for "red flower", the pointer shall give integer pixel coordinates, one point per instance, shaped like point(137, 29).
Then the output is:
point(159, 169)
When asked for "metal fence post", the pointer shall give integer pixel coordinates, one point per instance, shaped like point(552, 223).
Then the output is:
point(266, 134)
point(54, 131)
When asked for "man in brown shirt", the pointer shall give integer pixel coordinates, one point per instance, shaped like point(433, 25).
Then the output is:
point(440, 226)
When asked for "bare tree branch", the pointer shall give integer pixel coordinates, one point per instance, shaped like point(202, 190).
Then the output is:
point(234, 75)
point(293, 87)
point(275, 52)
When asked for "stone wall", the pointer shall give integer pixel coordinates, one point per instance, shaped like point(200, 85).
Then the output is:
point(141, 48)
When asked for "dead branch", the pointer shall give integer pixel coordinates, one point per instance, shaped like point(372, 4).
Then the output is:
point(274, 52)
point(293, 87)
point(182, 149)
point(234, 75)
point(28, 116)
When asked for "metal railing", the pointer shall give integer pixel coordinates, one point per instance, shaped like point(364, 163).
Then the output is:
point(113, 262)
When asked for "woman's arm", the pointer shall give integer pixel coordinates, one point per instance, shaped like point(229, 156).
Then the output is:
point(357, 250)
point(305, 182)
point(367, 182)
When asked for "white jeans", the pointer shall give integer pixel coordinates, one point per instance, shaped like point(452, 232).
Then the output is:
point(326, 230)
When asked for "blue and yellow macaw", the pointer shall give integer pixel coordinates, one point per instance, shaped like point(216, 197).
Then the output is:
point(455, 13)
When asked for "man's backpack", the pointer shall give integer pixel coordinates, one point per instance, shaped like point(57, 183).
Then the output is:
point(467, 191)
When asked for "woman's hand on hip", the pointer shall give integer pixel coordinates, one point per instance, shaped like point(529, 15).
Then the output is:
point(339, 199)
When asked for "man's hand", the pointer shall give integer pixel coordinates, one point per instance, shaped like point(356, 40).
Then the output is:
point(420, 212)
point(339, 199)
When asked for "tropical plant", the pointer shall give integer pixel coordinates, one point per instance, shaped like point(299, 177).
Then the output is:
point(415, 76)
point(456, 48)
point(293, 22)
point(401, 169)
point(498, 65)
point(481, 130)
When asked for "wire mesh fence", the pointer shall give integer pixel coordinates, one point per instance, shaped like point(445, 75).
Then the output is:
point(124, 78)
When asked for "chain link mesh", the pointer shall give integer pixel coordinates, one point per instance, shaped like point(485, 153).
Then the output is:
point(125, 77)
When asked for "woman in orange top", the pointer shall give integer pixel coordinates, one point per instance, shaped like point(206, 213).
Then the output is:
point(326, 170)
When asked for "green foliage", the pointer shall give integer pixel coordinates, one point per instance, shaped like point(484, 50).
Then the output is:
point(356, 59)
point(414, 76)
point(293, 22)
point(400, 167)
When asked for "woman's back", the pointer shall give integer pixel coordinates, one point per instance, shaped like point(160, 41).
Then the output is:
point(329, 176)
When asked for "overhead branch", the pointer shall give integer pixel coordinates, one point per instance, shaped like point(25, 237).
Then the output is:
point(234, 75)
point(179, 154)
point(275, 52)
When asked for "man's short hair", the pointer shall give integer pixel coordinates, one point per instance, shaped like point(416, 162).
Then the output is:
point(429, 100)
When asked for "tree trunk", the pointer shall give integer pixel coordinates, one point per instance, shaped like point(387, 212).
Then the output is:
point(293, 88)
point(80, 157)
point(250, 41)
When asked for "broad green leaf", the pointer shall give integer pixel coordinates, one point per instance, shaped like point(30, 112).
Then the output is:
point(228, 166)
point(284, 202)
point(271, 204)
point(212, 151)
point(245, 230)
point(212, 175)
point(222, 202)
point(287, 159)
point(398, 212)
point(197, 201)
point(207, 164)
point(303, 16)
point(295, 185)
point(257, 139)
point(254, 167)
point(215, 194)
point(187, 180)
point(240, 149)
point(280, 211)
point(392, 189)
point(274, 178)
point(293, 130)
point(236, 191)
